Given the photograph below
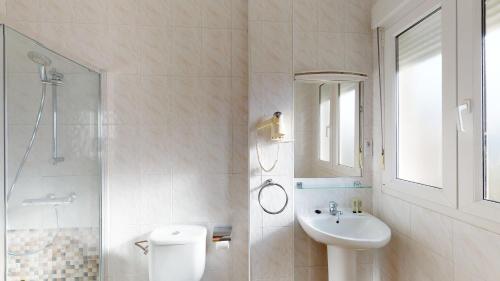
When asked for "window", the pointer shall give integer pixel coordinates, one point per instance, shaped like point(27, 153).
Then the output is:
point(491, 100)
point(324, 125)
point(347, 124)
point(419, 100)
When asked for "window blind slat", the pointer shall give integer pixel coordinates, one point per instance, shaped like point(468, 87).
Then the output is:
point(421, 41)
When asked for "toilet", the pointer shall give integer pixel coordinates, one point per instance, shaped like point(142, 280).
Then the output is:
point(177, 253)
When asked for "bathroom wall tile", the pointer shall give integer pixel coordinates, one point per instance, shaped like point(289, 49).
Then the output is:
point(155, 48)
point(216, 159)
point(272, 258)
point(154, 101)
point(305, 16)
point(463, 275)
point(154, 150)
point(192, 191)
point(27, 28)
point(426, 265)
point(216, 102)
point(216, 44)
point(185, 13)
point(274, 10)
point(124, 58)
point(240, 149)
point(124, 200)
point(55, 35)
point(318, 273)
point(357, 52)
point(239, 260)
point(216, 13)
point(55, 11)
point(273, 48)
point(331, 15)
point(89, 11)
point(396, 213)
point(424, 222)
point(239, 14)
point(239, 53)
point(358, 16)
point(239, 101)
point(122, 149)
point(122, 11)
point(153, 13)
point(331, 50)
point(238, 193)
point(301, 274)
point(186, 51)
point(122, 99)
point(90, 42)
point(476, 251)
point(394, 259)
point(23, 10)
point(318, 254)
point(156, 199)
point(301, 246)
point(305, 51)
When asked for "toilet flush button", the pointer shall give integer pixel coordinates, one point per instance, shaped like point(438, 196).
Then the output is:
point(176, 232)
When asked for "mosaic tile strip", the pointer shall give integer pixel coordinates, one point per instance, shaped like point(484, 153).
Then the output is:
point(66, 254)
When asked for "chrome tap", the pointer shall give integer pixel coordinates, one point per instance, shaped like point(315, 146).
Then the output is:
point(334, 211)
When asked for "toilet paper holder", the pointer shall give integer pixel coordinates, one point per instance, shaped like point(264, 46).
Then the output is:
point(145, 249)
point(222, 233)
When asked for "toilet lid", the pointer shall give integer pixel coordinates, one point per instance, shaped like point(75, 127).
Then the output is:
point(178, 234)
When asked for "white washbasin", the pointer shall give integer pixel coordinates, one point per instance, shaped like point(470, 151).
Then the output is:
point(354, 231)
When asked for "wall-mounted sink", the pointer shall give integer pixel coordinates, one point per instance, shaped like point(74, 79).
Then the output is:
point(352, 233)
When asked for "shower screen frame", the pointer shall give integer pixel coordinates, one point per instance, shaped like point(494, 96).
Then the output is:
point(100, 148)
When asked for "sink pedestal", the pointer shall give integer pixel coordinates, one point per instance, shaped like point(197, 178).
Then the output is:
point(341, 264)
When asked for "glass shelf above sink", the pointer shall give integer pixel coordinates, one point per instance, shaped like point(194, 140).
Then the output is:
point(308, 185)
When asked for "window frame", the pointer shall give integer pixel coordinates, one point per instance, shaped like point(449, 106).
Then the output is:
point(470, 87)
point(447, 195)
point(333, 166)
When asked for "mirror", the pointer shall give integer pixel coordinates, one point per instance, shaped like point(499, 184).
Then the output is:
point(328, 128)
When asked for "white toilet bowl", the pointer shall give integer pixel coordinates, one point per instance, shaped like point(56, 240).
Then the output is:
point(177, 253)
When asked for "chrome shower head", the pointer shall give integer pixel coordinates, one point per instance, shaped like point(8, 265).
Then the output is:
point(42, 62)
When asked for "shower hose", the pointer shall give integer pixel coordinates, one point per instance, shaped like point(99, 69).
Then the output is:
point(20, 168)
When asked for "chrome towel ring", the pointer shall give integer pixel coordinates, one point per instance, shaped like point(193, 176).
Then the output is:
point(267, 184)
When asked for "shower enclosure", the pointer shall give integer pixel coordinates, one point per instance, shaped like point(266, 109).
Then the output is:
point(51, 166)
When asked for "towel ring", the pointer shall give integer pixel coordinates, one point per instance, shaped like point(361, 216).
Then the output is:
point(267, 184)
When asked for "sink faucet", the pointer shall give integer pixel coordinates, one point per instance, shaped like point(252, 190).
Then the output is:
point(334, 211)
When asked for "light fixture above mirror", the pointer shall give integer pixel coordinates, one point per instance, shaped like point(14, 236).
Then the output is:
point(330, 76)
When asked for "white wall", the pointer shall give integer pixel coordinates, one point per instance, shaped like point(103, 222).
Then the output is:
point(320, 35)
point(175, 115)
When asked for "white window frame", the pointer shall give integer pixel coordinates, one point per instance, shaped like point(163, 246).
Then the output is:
point(447, 195)
point(470, 87)
point(333, 166)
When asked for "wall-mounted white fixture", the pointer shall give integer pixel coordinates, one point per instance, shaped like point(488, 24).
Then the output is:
point(276, 124)
point(330, 76)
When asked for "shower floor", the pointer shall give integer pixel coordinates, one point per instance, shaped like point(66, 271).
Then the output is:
point(73, 256)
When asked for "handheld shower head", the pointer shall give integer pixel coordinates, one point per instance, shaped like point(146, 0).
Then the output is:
point(42, 61)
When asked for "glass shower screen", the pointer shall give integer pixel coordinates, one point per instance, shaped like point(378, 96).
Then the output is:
point(52, 164)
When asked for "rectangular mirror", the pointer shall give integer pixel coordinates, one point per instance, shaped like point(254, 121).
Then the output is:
point(328, 129)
